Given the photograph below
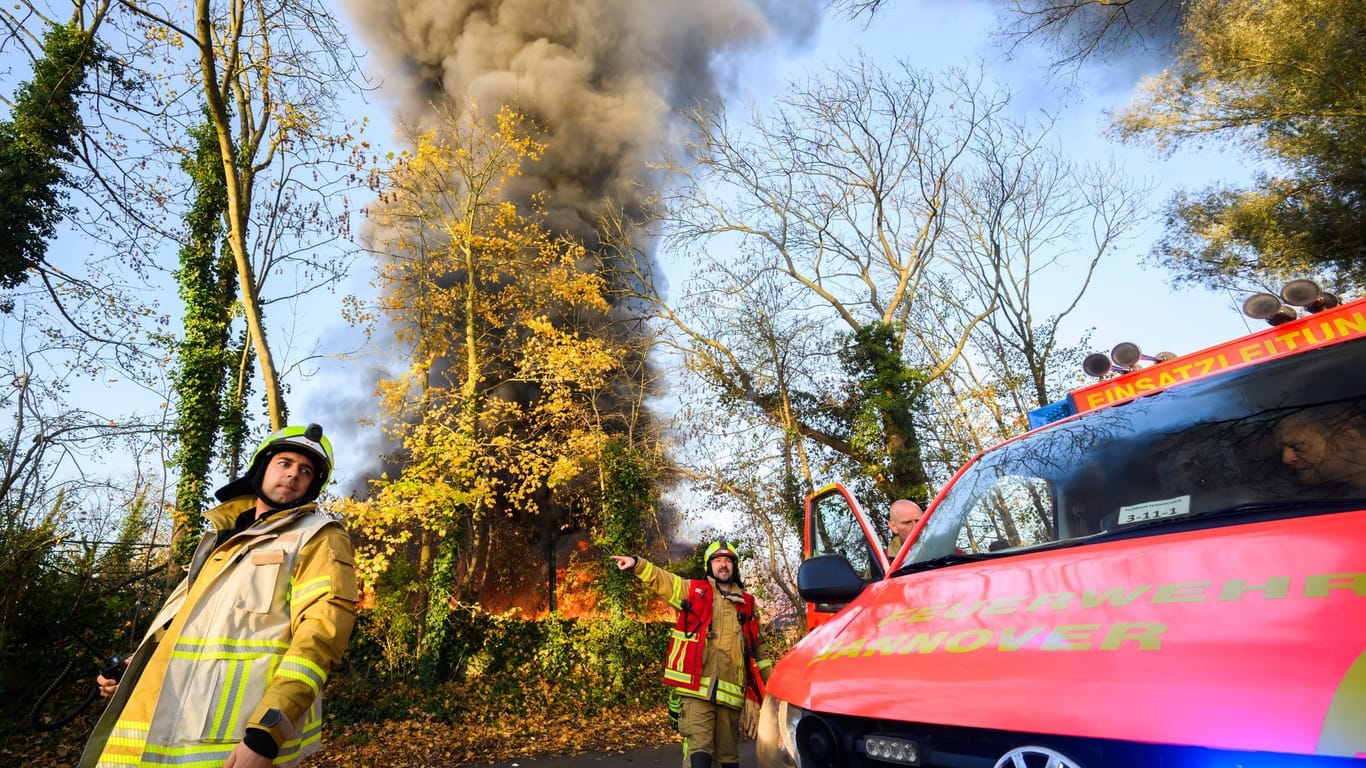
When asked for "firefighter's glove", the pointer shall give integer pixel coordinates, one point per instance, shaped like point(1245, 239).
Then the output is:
point(749, 719)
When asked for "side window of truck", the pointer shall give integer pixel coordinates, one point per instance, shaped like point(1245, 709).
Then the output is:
point(1016, 511)
point(835, 530)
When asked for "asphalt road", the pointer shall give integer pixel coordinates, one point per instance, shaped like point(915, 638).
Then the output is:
point(670, 756)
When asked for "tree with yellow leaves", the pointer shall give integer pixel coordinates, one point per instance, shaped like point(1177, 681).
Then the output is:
point(1285, 79)
point(499, 410)
point(1280, 79)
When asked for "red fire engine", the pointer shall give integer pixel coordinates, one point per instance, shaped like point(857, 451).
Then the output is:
point(1169, 571)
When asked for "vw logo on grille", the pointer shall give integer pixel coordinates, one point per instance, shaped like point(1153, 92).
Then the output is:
point(1035, 757)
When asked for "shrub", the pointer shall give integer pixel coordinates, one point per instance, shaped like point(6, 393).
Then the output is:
point(510, 666)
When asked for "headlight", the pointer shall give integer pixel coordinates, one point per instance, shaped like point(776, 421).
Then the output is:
point(776, 742)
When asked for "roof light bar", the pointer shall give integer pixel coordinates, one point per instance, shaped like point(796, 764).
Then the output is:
point(1055, 411)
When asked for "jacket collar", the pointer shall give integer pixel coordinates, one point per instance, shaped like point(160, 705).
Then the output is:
point(224, 516)
point(730, 591)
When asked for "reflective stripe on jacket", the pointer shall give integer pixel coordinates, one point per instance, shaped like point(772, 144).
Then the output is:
point(706, 653)
point(257, 625)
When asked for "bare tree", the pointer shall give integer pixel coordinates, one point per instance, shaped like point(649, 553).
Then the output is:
point(269, 74)
point(54, 454)
point(1080, 31)
point(860, 251)
point(837, 203)
point(1027, 214)
point(1035, 226)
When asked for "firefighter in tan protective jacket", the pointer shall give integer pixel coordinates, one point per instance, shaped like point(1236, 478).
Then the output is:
point(232, 670)
point(714, 660)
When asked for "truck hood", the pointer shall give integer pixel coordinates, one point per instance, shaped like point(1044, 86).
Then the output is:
point(1249, 637)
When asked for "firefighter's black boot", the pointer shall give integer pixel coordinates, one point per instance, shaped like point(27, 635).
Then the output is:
point(699, 760)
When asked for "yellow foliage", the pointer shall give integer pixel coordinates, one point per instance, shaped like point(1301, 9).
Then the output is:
point(158, 33)
point(499, 404)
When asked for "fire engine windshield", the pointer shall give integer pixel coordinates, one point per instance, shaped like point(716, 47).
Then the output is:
point(1283, 438)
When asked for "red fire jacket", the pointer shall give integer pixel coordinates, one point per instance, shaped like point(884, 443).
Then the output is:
point(695, 633)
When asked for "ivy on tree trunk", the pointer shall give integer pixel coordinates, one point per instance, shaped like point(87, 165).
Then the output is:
point(35, 145)
point(887, 395)
point(208, 283)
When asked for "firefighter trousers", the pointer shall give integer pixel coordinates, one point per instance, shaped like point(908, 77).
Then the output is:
point(710, 728)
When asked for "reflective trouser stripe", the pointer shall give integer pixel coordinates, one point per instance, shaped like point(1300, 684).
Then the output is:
point(728, 693)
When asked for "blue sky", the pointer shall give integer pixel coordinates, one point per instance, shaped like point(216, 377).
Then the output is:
point(1127, 301)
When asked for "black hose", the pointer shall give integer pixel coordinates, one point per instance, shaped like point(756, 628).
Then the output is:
point(113, 668)
point(35, 715)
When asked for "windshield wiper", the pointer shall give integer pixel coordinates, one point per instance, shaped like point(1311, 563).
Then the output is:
point(940, 562)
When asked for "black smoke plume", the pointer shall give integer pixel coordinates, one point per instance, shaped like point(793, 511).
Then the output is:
point(605, 80)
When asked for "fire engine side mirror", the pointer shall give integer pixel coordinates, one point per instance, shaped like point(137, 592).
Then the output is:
point(828, 579)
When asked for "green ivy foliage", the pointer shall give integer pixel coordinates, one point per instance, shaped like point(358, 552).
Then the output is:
point(234, 422)
point(888, 395)
point(434, 652)
point(35, 145)
point(208, 284)
point(629, 495)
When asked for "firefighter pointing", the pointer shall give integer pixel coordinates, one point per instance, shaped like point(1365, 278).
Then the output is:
point(714, 661)
point(231, 671)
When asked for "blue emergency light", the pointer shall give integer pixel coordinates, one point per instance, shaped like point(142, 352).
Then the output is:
point(1052, 412)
